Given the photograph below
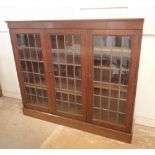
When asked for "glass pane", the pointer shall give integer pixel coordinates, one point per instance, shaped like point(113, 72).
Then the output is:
point(67, 72)
point(110, 41)
point(38, 42)
point(39, 54)
point(105, 92)
point(96, 113)
point(105, 60)
point(78, 85)
point(76, 41)
point(118, 41)
point(53, 42)
point(63, 83)
point(77, 72)
point(123, 92)
point(68, 41)
point(79, 99)
point(97, 60)
point(31, 40)
point(56, 70)
point(25, 40)
point(71, 85)
point(104, 102)
point(77, 58)
point(26, 53)
point(114, 93)
point(121, 119)
point(97, 101)
point(126, 42)
point(19, 40)
point(69, 58)
point(70, 71)
point(30, 53)
point(21, 54)
point(111, 69)
point(104, 115)
point(124, 77)
point(105, 75)
point(115, 74)
point(62, 59)
point(113, 104)
point(23, 65)
point(71, 98)
point(122, 106)
point(60, 39)
point(63, 70)
point(97, 74)
point(113, 117)
point(33, 54)
point(125, 62)
point(97, 91)
point(116, 61)
point(57, 82)
point(55, 57)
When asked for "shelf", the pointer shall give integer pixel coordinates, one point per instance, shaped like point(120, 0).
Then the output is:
point(36, 85)
point(25, 47)
point(72, 92)
point(32, 60)
point(67, 50)
point(113, 51)
point(111, 68)
point(108, 86)
point(64, 63)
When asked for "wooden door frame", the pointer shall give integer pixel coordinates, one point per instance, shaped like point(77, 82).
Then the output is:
point(13, 33)
point(48, 32)
point(133, 71)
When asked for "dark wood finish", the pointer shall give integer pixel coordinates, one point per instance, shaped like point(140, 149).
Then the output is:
point(86, 29)
point(19, 70)
point(133, 75)
point(109, 133)
point(108, 24)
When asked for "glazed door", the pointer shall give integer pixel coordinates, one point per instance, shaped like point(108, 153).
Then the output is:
point(113, 61)
point(30, 56)
point(67, 72)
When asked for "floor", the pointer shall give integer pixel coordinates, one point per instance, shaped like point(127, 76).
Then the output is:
point(20, 131)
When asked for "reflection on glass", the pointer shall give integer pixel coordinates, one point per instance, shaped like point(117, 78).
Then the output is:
point(97, 74)
point(105, 60)
point(115, 76)
point(66, 61)
point(118, 41)
point(53, 42)
point(104, 102)
point(125, 62)
point(124, 77)
point(104, 115)
point(32, 66)
point(60, 39)
point(105, 75)
point(68, 41)
point(113, 104)
point(116, 61)
point(76, 41)
point(111, 69)
point(97, 60)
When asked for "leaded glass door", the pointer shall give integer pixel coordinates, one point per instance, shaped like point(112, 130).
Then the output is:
point(32, 69)
point(111, 61)
point(67, 68)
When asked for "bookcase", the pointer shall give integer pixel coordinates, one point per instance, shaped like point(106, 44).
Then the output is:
point(79, 73)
